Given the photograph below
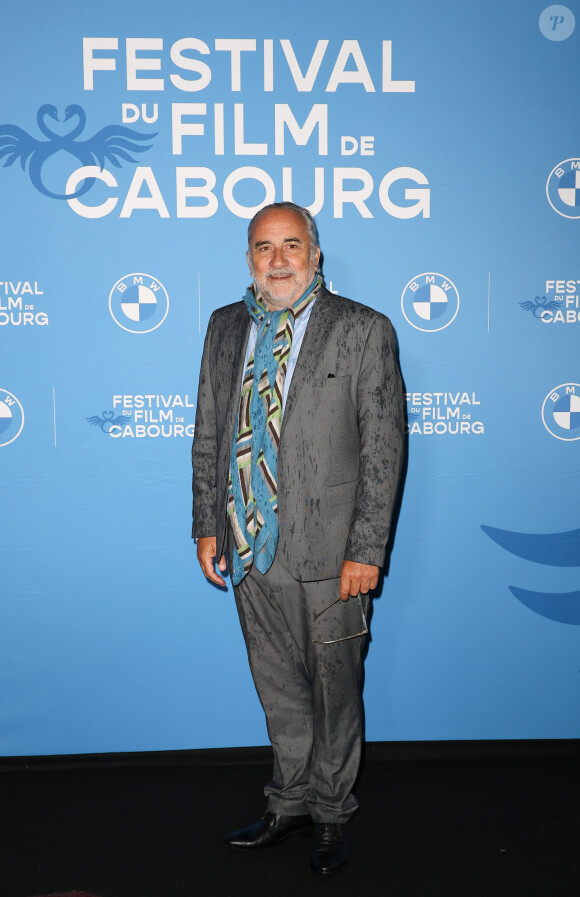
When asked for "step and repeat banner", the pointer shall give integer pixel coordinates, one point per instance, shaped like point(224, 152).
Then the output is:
point(438, 146)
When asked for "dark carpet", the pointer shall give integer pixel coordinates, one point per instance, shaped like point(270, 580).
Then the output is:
point(484, 827)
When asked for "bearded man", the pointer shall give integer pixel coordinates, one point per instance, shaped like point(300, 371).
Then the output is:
point(296, 459)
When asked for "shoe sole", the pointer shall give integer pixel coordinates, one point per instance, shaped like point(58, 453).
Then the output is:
point(298, 833)
point(323, 871)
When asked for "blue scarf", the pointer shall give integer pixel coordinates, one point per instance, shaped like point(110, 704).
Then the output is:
point(253, 486)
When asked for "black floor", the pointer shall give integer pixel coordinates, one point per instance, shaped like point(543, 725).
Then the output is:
point(466, 827)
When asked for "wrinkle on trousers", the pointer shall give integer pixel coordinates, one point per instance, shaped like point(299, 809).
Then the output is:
point(311, 694)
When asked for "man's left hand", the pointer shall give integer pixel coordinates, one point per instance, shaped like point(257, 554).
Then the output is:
point(357, 578)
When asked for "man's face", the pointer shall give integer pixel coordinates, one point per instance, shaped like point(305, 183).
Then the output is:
point(280, 257)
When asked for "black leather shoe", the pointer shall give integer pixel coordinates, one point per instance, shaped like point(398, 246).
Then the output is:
point(270, 829)
point(330, 850)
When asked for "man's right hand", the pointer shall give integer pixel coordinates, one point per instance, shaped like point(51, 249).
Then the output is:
point(206, 555)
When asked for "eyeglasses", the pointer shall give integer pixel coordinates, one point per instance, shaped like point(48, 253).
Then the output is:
point(344, 638)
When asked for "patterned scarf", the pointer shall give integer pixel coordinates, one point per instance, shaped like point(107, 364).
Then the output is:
point(253, 488)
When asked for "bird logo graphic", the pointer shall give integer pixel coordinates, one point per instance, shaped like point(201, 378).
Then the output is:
point(108, 420)
point(114, 144)
point(540, 305)
point(412, 418)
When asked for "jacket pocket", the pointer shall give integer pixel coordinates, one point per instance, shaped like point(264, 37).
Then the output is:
point(336, 383)
point(342, 493)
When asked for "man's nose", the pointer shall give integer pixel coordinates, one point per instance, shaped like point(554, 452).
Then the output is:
point(279, 258)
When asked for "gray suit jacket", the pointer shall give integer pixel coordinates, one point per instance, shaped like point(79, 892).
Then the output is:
point(341, 441)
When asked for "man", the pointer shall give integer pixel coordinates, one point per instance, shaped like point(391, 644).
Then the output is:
point(296, 458)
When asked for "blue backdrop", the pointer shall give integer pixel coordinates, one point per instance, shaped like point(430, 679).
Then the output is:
point(439, 146)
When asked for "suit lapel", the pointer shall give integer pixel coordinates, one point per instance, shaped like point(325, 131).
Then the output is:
point(232, 362)
point(317, 333)
point(234, 348)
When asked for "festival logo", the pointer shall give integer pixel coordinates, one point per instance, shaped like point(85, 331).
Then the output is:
point(560, 303)
point(138, 303)
point(563, 188)
point(11, 417)
point(107, 420)
point(147, 416)
point(430, 302)
point(115, 143)
point(19, 304)
point(444, 414)
point(553, 549)
point(561, 412)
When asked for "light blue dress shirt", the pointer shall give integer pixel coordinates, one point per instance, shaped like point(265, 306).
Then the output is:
point(298, 336)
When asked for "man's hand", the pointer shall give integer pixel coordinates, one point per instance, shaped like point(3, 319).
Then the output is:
point(206, 555)
point(355, 578)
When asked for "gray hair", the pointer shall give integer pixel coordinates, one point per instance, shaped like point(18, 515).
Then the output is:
point(305, 215)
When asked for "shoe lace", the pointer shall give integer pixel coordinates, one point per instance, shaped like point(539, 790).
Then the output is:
point(328, 833)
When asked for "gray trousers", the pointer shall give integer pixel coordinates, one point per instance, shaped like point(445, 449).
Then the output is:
point(311, 693)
